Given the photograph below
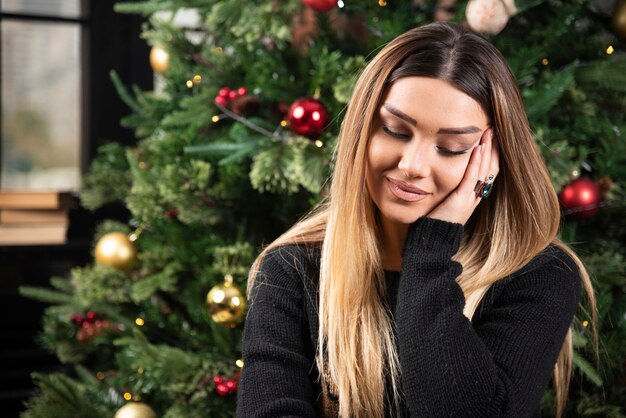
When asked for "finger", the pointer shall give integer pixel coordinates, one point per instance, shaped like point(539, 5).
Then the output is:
point(472, 171)
point(494, 164)
point(485, 162)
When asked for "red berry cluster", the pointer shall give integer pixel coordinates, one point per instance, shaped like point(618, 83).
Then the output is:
point(226, 94)
point(90, 326)
point(225, 387)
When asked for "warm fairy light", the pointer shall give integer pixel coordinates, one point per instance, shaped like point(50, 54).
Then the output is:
point(235, 301)
point(544, 61)
point(382, 3)
point(283, 123)
point(139, 322)
point(142, 165)
point(100, 376)
point(575, 173)
point(136, 397)
point(610, 50)
point(197, 79)
point(215, 119)
point(585, 323)
point(319, 143)
point(340, 4)
point(128, 396)
point(189, 84)
point(219, 49)
point(239, 363)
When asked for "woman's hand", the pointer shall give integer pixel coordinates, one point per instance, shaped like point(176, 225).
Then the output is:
point(461, 202)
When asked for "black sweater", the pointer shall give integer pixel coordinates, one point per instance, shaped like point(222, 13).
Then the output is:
point(498, 365)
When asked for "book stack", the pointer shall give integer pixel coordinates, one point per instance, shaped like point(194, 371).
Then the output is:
point(34, 218)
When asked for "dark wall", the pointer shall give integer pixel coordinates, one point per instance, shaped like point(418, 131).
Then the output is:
point(115, 45)
point(112, 42)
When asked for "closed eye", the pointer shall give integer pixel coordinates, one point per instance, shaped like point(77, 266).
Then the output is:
point(449, 152)
point(395, 134)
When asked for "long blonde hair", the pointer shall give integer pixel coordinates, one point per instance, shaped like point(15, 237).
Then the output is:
point(520, 219)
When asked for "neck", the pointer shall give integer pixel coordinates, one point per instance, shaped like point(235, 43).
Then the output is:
point(394, 235)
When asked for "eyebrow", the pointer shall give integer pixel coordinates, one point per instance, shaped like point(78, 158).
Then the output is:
point(448, 131)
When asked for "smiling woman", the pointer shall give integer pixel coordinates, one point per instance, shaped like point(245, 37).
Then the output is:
point(431, 282)
point(424, 136)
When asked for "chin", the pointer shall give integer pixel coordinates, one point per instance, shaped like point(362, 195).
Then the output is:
point(403, 215)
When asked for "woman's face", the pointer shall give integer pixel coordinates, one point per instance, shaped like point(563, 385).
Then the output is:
point(423, 136)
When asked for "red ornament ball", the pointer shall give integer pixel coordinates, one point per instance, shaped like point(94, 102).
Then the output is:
point(321, 6)
point(581, 196)
point(308, 117)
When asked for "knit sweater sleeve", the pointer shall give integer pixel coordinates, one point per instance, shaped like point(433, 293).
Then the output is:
point(498, 366)
point(275, 378)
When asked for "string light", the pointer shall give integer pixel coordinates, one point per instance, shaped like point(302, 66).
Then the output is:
point(575, 173)
point(215, 119)
point(139, 322)
point(283, 123)
point(319, 143)
point(136, 397)
point(142, 165)
point(100, 376)
point(585, 323)
point(610, 50)
point(136, 233)
point(340, 4)
point(128, 396)
point(189, 84)
point(544, 61)
point(197, 79)
point(382, 3)
point(239, 363)
point(219, 49)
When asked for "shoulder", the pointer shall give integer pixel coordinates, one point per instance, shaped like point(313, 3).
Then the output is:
point(551, 279)
point(553, 271)
point(292, 257)
point(553, 259)
point(288, 267)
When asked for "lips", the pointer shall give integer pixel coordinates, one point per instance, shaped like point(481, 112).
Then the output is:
point(405, 191)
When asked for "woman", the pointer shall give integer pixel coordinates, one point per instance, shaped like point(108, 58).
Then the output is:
point(431, 282)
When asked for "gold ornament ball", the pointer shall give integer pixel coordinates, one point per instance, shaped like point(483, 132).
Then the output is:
point(619, 19)
point(159, 59)
point(115, 249)
point(135, 410)
point(227, 303)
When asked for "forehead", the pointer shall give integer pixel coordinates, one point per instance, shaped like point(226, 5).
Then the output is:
point(434, 102)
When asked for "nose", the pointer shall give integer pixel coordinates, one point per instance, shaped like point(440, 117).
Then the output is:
point(415, 160)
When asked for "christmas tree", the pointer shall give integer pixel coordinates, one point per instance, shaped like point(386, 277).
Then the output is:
point(235, 144)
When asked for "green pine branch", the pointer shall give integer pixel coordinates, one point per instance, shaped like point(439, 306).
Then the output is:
point(46, 295)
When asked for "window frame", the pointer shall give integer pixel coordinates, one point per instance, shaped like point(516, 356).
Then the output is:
point(84, 23)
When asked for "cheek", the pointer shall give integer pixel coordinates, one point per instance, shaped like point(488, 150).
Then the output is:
point(379, 155)
point(451, 174)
